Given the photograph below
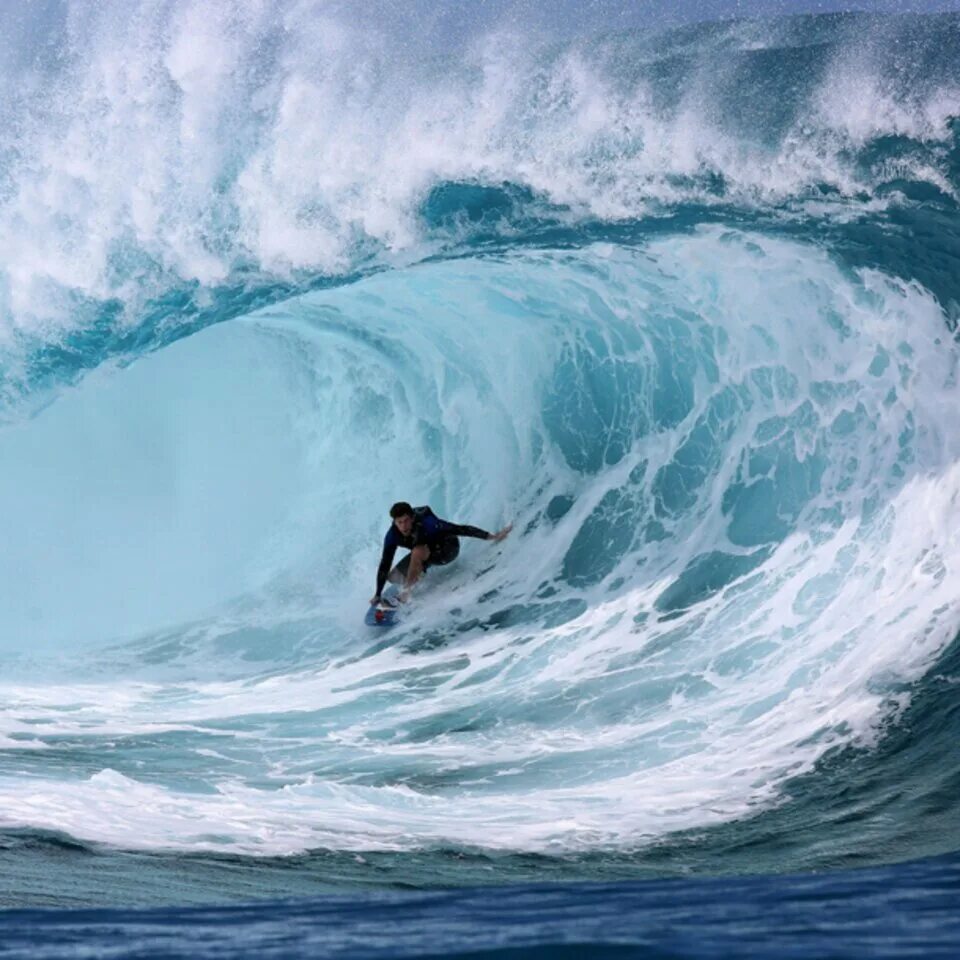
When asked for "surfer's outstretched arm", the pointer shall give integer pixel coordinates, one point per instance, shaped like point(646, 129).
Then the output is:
point(465, 530)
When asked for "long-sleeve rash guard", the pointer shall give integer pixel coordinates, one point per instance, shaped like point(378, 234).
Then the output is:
point(428, 528)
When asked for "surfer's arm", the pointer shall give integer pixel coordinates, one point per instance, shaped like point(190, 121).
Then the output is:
point(465, 530)
point(383, 571)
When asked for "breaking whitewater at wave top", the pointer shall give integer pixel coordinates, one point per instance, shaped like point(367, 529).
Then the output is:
point(683, 308)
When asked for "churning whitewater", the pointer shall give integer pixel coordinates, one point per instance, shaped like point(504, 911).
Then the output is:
point(680, 308)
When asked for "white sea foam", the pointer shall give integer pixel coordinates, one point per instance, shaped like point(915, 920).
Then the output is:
point(181, 143)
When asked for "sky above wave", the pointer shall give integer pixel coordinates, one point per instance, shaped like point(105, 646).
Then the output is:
point(32, 30)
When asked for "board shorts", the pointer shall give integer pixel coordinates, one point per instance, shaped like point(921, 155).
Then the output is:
point(441, 552)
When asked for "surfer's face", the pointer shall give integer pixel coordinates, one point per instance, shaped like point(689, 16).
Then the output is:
point(404, 524)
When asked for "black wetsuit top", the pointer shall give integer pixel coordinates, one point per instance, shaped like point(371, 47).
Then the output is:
point(427, 528)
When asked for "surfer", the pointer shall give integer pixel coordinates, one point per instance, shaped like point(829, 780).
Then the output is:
point(430, 540)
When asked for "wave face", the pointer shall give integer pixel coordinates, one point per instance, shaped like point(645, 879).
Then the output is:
point(680, 306)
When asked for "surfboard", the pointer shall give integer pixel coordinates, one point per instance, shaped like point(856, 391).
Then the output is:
point(386, 612)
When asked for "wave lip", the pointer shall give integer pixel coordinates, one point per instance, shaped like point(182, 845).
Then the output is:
point(231, 147)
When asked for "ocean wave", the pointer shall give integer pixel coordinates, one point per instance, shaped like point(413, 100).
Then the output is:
point(733, 487)
point(683, 308)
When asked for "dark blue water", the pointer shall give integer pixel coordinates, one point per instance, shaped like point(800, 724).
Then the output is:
point(903, 911)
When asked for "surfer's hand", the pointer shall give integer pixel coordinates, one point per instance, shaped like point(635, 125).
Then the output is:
point(501, 534)
point(375, 598)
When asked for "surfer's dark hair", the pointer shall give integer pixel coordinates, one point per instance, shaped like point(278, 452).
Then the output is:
point(400, 509)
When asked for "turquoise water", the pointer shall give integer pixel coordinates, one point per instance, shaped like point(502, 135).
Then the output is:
point(681, 308)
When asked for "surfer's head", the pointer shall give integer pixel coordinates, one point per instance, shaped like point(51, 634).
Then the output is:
point(402, 515)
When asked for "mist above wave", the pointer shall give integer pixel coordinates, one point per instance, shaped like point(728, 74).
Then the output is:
point(190, 146)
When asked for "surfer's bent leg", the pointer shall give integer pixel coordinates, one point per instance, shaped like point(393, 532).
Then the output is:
point(418, 559)
point(399, 573)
